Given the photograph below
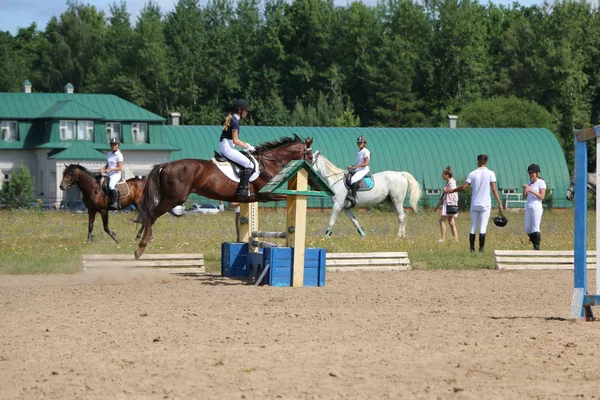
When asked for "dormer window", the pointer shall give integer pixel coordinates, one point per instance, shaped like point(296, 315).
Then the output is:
point(113, 130)
point(76, 130)
point(139, 132)
point(10, 131)
point(67, 130)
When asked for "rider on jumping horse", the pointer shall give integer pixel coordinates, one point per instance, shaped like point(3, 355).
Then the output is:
point(230, 138)
point(112, 169)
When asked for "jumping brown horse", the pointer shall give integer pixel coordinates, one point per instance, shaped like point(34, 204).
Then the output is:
point(95, 199)
point(170, 184)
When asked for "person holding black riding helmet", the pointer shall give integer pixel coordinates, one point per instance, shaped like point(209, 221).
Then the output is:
point(534, 192)
point(360, 169)
point(230, 137)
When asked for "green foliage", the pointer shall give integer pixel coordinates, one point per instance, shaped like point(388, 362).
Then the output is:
point(506, 112)
point(18, 192)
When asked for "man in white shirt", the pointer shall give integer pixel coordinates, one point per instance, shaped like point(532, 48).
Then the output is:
point(480, 180)
point(360, 169)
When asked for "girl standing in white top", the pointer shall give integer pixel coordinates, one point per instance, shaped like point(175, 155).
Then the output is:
point(480, 180)
point(360, 169)
point(534, 192)
point(446, 200)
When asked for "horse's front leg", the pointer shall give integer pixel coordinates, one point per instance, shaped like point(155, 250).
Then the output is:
point(335, 210)
point(359, 228)
point(113, 235)
point(91, 219)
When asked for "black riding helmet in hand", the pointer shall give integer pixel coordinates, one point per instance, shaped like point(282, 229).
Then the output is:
point(500, 220)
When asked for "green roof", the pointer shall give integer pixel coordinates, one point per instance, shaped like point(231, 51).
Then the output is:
point(424, 152)
point(79, 106)
point(77, 151)
point(67, 109)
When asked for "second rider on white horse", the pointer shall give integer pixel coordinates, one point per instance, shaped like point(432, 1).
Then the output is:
point(361, 168)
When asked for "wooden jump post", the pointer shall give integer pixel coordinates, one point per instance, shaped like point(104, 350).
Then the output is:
point(296, 175)
point(582, 302)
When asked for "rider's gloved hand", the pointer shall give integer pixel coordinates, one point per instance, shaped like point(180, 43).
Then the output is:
point(250, 147)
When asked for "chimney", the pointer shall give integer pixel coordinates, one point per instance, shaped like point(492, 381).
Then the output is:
point(452, 121)
point(26, 86)
point(174, 117)
point(69, 88)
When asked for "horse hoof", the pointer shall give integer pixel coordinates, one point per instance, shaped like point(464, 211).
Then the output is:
point(137, 254)
point(361, 232)
point(328, 233)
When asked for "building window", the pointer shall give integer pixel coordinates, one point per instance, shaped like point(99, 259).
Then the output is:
point(67, 130)
point(5, 180)
point(85, 130)
point(10, 130)
point(113, 130)
point(139, 132)
point(432, 192)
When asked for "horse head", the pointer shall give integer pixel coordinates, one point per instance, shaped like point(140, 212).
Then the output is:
point(285, 150)
point(70, 176)
point(591, 186)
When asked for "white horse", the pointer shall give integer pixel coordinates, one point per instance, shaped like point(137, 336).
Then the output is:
point(591, 186)
point(392, 185)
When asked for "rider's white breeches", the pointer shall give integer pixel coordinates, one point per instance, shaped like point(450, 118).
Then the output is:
point(358, 175)
point(229, 151)
point(113, 179)
point(533, 219)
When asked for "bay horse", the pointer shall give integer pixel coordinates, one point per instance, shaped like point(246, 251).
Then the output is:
point(170, 184)
point(95, 199)
point(389, 185)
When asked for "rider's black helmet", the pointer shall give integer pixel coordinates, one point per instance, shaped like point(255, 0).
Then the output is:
point(533, 168)
point(361, 139)
point(240, 104)
point(115, 140)
point(500, 220)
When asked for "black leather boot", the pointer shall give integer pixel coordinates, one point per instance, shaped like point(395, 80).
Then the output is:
point(537, 238)
point(243, 187)
point(481, 242)
point(472, 242)
point(114, 199)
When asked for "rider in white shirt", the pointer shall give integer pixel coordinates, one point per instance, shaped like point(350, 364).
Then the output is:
point(534, 192)
point(113, 170)
point(361, 168)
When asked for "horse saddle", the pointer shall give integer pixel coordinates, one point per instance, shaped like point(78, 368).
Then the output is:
point(122, 187)
point(232, 169)
point(366, 183)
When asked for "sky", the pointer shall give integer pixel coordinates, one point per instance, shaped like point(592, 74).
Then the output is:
point(15, 14)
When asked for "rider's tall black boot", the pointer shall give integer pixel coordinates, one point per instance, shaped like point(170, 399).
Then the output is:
point(481, 242)
point(352, 193)
point(472, 242)
point(114, 199)
point(537, 238)
point(243, 187)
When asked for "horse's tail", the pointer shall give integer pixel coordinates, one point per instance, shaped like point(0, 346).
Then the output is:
point(415, 190)
point(151, 195)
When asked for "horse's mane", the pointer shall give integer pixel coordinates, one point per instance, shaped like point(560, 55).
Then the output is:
point(272, 145)
point(331, 169)
point(83, 169)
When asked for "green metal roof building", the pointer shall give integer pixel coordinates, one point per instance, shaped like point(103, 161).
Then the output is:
point(424, 152)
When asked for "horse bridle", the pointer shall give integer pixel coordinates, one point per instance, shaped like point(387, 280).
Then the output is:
point(572, 191)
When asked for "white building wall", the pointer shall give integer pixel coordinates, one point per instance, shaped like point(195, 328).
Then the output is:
point(48, 173)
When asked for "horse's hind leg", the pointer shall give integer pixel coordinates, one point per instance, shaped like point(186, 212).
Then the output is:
point(139, 234)
point(113, 235)
point(359, 228)
point(402, 217)
point(161, 208)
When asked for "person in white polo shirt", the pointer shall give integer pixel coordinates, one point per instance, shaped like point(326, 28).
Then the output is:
point(534, 192)
point(360, 169)
point(113, 170)
point(481, 181)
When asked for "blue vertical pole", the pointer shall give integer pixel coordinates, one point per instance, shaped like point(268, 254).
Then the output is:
point(580, 215)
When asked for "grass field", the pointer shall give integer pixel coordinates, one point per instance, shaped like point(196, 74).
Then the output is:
point(34, 242)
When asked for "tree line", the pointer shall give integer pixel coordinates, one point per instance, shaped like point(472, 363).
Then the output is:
point(400, 63)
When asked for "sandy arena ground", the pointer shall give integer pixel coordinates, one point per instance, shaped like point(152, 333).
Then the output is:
point(366, 335)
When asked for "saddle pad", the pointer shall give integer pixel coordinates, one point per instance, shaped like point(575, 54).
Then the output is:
point(227, 169)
